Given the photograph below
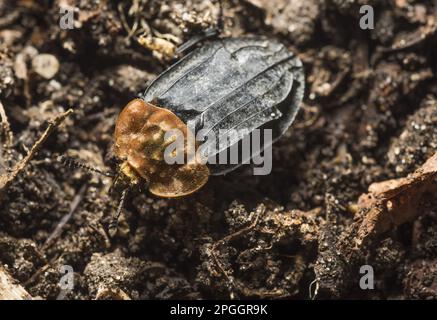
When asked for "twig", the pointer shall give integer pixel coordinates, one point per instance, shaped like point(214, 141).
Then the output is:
point(259, 211)
point(10, 289)
point(130, 30)
point(6, 126)
point(6, 179)
point(36, 275)
point(41, 270)
point(58, 230)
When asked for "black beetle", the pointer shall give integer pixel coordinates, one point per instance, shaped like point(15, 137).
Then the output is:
point(240, 84)
point(228, 83)
point(233, 83)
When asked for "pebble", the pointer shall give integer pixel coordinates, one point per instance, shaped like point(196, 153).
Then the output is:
point(46, 65)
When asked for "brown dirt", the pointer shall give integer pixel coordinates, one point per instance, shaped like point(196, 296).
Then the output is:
point(369, 115)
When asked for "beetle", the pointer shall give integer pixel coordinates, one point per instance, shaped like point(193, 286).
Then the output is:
point(226, 83)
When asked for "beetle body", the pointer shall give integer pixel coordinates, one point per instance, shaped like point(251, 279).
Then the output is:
point(226, 85)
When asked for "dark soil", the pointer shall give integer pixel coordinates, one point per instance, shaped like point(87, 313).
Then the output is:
point(369, 114)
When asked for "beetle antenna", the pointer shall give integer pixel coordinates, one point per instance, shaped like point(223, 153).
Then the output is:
point(74, 164)
point(113, 225)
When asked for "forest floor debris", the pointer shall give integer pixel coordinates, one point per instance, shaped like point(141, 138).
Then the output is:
point(304, 231)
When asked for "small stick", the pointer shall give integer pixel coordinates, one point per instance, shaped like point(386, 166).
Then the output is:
point(6, 179)
point(10, 289)
point(58, 230)
point(43, 269)
point(6, 126)
point(259, 211)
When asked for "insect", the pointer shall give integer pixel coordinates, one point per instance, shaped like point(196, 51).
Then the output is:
point(227, 83)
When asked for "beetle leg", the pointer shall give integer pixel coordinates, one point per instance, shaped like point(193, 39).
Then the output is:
point(206, 34)
point(113, 224)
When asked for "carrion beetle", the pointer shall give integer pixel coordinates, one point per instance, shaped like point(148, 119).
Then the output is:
point(242, 83)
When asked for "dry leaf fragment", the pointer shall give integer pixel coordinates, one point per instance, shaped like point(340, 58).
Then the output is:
point(394, 202)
